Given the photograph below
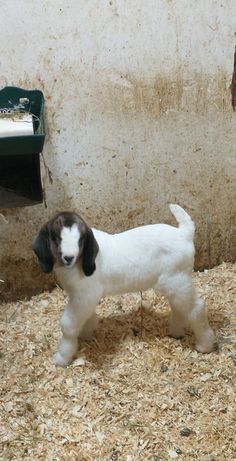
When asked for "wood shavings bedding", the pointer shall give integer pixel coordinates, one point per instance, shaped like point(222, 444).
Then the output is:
point(130, 395)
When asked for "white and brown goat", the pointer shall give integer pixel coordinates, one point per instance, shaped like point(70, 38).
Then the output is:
point(91, 264)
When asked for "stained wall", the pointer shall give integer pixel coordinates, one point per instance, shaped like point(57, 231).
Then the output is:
point(138, 114)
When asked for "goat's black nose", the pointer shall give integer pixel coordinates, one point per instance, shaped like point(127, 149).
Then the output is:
point(68, 259)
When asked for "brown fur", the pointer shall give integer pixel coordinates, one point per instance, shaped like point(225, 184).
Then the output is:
point(47, 243)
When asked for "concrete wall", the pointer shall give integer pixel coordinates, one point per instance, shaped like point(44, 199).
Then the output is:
point(138, 114)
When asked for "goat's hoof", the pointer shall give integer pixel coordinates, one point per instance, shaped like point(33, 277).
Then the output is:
point(208, 344)
point(60, 361)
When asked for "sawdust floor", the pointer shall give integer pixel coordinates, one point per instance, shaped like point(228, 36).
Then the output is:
point(129, 396)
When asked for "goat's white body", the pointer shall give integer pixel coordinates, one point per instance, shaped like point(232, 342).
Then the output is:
point(156, 256)
point(134, 260)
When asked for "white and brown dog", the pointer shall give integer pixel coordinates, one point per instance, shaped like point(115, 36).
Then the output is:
point(91, 264)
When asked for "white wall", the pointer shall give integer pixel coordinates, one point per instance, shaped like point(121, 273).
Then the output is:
point(138, 114)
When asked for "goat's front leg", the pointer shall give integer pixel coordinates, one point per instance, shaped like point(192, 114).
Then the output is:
point(73, 320)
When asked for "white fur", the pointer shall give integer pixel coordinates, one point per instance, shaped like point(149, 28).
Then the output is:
point(156, 256)
point(69, 244)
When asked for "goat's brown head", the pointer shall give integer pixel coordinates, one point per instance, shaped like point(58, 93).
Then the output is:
point(63, 240)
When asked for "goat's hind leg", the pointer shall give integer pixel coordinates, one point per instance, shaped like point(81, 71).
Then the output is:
point(178, 323)
point(187, 310)
point(173, 287)
point(198, 321)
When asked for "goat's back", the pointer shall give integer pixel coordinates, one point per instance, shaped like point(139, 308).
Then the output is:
point(133, 260)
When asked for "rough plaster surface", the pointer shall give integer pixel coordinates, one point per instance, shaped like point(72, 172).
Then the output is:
point(138, 114)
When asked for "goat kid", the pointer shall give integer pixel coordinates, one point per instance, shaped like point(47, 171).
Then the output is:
point(91, 264)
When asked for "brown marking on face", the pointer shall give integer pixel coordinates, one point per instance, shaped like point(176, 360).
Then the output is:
point(66, 219)
point(47, 244)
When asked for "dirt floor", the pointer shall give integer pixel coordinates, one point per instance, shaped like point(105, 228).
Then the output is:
point(132, 394)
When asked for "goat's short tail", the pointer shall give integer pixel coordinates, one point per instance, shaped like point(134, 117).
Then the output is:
point(184, 220)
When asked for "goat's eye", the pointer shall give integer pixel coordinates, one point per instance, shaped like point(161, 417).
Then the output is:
point(55, 238)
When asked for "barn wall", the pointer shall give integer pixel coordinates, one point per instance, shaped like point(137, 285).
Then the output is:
point(138, 114)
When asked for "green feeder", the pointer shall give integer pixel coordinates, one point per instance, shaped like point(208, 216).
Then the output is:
point(22, 135)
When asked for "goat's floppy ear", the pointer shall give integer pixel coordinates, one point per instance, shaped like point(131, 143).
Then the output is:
point(90, 252)
point(41, 247)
